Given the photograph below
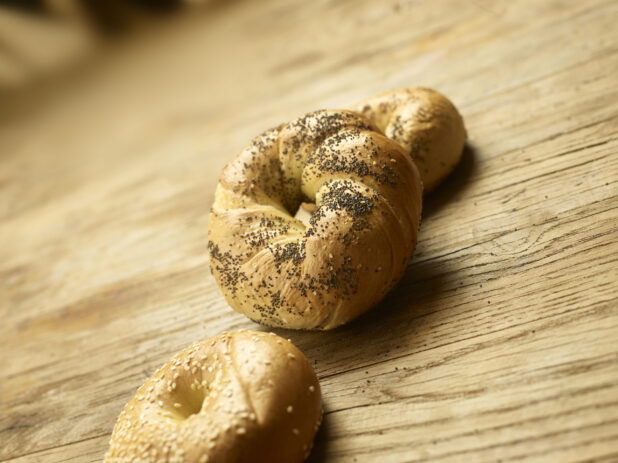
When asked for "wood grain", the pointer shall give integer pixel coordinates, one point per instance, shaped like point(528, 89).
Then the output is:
point(500, 343)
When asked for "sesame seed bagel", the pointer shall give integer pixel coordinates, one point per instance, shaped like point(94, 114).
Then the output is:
point(426, 123)
point(241, 397)
point(359, 239)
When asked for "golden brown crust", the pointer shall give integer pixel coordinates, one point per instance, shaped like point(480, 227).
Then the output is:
point(241, 397)
point(426, 123)
point(360, 238)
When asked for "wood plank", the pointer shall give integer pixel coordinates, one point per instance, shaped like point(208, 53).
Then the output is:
point(499, 343)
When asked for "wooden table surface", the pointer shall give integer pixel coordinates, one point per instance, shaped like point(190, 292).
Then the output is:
point(500, 343)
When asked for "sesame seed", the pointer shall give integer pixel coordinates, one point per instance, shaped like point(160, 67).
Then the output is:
point(241, 431)
point(290, 409)
point(311, 388)
point(296, 431)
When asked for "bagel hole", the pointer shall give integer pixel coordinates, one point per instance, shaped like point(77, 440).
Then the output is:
point(304, 212)
point(188, 400)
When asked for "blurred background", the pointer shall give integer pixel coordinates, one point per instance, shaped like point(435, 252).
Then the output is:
point(41, 38)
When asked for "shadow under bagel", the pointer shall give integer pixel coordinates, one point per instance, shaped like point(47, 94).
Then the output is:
point(453, 185)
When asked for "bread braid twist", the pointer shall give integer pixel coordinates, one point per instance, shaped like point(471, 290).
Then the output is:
point(424, 122)
point(368, 196)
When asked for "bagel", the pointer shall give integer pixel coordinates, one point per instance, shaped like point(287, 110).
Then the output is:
point(426, 123)
point(360, 237)
point(241, 397)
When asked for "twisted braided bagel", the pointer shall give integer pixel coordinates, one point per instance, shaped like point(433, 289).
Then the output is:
point(359, 240)
point(423, 121)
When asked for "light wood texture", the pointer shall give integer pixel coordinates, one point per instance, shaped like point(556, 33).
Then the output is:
point(501, 342)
